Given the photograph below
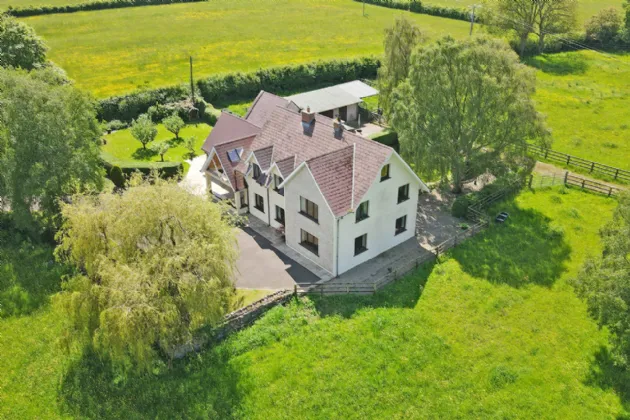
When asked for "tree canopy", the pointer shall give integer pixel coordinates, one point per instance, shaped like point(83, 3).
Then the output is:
point(605, 282)
point(605, 26)
point(49, 144)
point(525, 17)
point(143, 130)
point(19, 45)
point(466, 106)
point(400, 41)
point(153, 264)
point(174, 124)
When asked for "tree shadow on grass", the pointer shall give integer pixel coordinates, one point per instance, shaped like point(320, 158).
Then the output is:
point(403, 293)
point(29, 274)
point(143, 154)
point(559, 64)
point(527, 249)
point(605, 375)
point(200, 386)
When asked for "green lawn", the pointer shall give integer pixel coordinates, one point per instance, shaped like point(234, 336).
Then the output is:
point(124, 148)
point(116, 51)
point(586, 8)
point(494, 331)
point(586, 97)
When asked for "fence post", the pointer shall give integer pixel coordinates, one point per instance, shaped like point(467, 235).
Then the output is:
point(568, 159)
point(531, 179)
point(583, 181)
point(546, 153)
point(609, 191)
point(616, 173)
point(566, 177)
point(592, 167)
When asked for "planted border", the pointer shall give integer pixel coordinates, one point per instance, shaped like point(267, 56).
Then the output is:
point(87, 6)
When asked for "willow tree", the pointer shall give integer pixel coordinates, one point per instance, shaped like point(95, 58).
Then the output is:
point(400, 41)
point(466, 106)
point(153, 265)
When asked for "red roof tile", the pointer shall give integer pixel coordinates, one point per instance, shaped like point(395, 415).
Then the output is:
point(263, 106)
point(333, 173)
point(229, 127)
point(231, 167)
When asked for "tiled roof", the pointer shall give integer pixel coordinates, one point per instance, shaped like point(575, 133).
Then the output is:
point(230, 167)
point(264, 156)
point(229, 127)
point(262, 107)
point(333, 173)
point(286, 166)
point(285, 132)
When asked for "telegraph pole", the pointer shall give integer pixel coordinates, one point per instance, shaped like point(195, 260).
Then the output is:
point(192, 83)
point(472, 18)
point(363, 8)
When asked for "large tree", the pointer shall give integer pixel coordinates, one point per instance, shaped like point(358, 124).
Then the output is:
point(19, 45)
point(400, 41)
point(466, 106)
point(49, 144)
point(605, 282)
point(154, 264)
point(525, 17)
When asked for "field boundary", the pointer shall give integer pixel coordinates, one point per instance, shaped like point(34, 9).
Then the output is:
point(570, 160)
point(424, 9)
point(570, 180)
point(89, 6)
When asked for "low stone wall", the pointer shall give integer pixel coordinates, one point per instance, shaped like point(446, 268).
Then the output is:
point(235, 321)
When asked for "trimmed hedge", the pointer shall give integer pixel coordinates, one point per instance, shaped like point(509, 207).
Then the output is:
point(165, 169)
point(418, 7)
point(92, 5)
point(386, 137)
point(568, 42)
point(234, 86)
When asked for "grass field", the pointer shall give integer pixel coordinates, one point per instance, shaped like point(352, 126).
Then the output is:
point(494, 331)
point(586, 97)
point(586, 8)
point(116, 51)
point(126, 149)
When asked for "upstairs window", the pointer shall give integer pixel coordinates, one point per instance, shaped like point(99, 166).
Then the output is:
point(403, 193)
point(401, 225)
point(360, 244)
point(277, 180)
point(362, 211)
point(385, 173)
point(309, 209)
point(256, 173)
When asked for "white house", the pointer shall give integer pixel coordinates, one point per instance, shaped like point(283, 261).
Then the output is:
point(340, 199)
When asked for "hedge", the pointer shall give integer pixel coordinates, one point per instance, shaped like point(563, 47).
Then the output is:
point(417, 7)
point(92, 5)
point(386, 137)
point(165, 169)
point(234, 86)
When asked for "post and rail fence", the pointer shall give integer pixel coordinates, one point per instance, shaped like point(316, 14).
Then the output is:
point(570, 160)
point(571, 180)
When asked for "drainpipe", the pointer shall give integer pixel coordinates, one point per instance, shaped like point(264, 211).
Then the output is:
point(337, 247)
point(268, 209)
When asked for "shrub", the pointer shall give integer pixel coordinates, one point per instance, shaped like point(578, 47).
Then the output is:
point(116, 176)
point(604, 27)
point(165, 169)
point(460, 205)
point(115, 125)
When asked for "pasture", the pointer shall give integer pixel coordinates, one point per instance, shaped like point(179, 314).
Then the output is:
point(493, 331)
point(111, 52)
point(586, 96)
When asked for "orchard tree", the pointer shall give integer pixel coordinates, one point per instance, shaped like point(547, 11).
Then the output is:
point(526, 17)
point(604, 282)
point(49, 145)
point(160, 148)
point(19, 45)
point(174, 124)
point(400, 41)
point(466, 105)
point(189, 143)
point(153, 265)
point(143, 130)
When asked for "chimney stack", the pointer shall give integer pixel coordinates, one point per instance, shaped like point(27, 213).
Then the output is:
point(307, 116)
point(338, 127)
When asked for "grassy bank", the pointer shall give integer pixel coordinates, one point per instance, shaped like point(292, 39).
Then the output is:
point(111, 52)
point(494, 331)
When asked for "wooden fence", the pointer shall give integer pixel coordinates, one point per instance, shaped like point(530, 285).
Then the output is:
point(572, 180)
point(591, 166)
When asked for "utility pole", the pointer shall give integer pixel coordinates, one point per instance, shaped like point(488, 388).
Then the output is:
point(363, 8)
point(472, 18)
point(192, 83)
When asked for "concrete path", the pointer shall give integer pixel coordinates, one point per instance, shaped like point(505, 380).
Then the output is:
point(195, 182)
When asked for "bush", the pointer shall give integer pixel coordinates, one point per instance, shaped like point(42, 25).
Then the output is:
point(115, 125)
point(165, 169)
point(233, 86)
point(417, 7)
point(92, 5)
point(116, 176)
point(604, 27)
point(460, 205)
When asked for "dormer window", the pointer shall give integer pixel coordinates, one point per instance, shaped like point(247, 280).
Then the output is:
point(256, 173)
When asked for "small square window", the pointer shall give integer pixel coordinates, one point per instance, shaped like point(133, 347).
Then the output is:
point(385, 173)
point(360, 244)
point(403, 193)
point(309, 209)
point(401, 225)
point(363, 211)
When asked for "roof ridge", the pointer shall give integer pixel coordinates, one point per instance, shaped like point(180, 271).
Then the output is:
point(330, 153)
point(238, 117)
point(254, 103)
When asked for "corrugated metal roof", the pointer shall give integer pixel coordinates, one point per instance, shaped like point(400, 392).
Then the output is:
point(325, 99)
point(359, 89)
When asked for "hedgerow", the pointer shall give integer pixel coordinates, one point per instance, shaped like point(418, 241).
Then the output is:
point(425, 9)
point(92, 5)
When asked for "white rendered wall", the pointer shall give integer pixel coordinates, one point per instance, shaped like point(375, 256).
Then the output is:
point(255, 188)
point(381, 223)
point(304, 185)
point(353, 112)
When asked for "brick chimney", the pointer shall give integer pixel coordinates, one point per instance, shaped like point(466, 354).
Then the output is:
point(307, 116)
point(338, 127)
